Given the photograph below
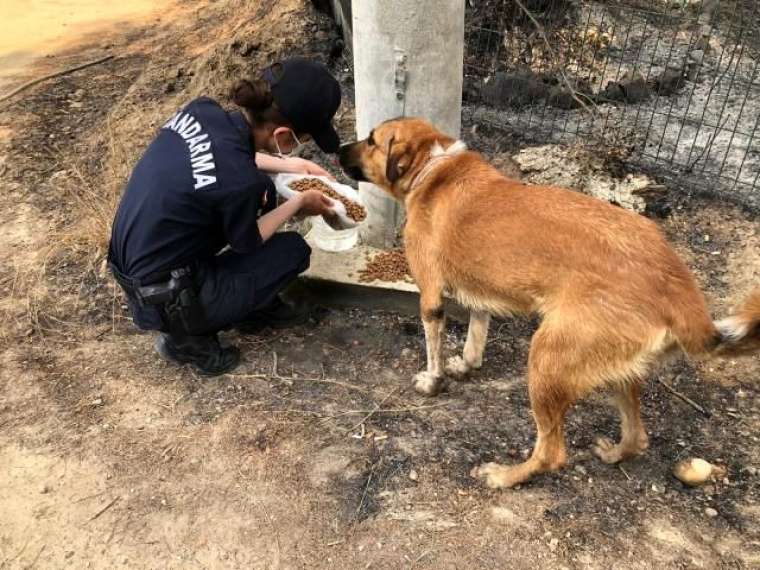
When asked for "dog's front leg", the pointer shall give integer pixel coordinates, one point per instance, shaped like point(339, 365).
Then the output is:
point(472, 358)
point(432, 381)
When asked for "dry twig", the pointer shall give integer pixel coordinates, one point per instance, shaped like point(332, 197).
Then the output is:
point(66, 71)
point(104, 509)
point(686, 399)
point(562, 74)
point(373, 412)
point(259, 376)
point(36, 558)
point(366, 489)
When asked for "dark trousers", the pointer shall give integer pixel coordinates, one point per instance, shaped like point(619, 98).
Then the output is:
point(232, 286)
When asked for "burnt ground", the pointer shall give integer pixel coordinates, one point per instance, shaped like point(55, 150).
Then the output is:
point(315, 453)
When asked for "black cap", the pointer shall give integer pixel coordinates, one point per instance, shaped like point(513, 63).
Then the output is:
point(308, 96)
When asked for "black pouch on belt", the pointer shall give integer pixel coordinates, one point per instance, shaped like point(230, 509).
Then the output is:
point(175, 299)
point(184, 312)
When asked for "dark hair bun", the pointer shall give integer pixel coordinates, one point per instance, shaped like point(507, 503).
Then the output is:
point(253, 95)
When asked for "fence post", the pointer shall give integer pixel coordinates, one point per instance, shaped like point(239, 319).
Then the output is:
point(408, 61)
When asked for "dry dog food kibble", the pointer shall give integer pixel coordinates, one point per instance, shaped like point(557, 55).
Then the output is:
point(354, 210)
point(386, 266)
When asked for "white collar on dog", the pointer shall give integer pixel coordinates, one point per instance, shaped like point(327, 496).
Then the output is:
point(438, 154)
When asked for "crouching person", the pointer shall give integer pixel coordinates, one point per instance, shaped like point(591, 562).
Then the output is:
point(201, 186)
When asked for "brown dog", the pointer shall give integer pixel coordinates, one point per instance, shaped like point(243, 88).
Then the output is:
point(613, 295)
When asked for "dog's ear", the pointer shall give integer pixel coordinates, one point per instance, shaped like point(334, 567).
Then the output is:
point(397, 161)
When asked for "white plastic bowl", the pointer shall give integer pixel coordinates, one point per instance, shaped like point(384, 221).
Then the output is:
point(321, 234)
point(328, 239)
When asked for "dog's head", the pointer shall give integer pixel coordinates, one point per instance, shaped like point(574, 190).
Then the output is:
point(393, 154)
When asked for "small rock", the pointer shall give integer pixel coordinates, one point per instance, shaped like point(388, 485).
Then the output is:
point(98, 402)
point(581, 469)
point(413, 475)
point(69, 554)
point(695, 471)
point(632, 88)
point(710, 512)
point(697, 55)
point(751, 471)
point(407, 353)
point(45, 489)
point(514, 89)
point(553, 544)
point(669, 82)
point(562, 98)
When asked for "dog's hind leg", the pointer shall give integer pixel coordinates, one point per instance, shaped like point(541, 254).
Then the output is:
point(549, 403)
point(472, 357)
point(553, 366)
point(634, 438)
point(432, 381)
point(550, 399)
point(564, 364)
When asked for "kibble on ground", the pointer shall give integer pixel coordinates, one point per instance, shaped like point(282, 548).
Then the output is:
point(388, 265)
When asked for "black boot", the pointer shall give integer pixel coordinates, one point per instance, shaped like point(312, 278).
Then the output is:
point(277, 315)
point(203, 352)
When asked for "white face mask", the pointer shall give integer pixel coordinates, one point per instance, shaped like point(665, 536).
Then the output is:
point(294, 151)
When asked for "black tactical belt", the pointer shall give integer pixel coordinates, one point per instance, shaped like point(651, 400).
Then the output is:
point(160, 288)
point(174, 295)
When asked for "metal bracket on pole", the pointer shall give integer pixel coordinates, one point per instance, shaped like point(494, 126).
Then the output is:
point(400, 74)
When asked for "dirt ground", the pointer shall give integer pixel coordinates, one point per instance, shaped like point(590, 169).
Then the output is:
point(315, 453)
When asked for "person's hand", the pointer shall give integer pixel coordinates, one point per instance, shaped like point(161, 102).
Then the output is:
point(295, 165)
point(314, 203)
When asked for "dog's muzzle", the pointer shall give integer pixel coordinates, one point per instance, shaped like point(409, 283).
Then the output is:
point(348, 162)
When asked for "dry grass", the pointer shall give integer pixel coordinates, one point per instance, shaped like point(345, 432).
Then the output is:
point(95, 196)
point(75, 253)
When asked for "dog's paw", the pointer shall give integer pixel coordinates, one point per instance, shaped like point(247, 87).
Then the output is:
point(607, 451)
point(457, 367)
point(428, 384)
point(497, 476)
point(612, 453)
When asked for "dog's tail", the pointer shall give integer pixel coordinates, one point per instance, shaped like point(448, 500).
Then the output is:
point(738, 334)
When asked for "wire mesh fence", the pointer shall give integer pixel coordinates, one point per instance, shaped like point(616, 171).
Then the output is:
point(672, 86)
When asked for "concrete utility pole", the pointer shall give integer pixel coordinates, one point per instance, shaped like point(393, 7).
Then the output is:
point(408, 61)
